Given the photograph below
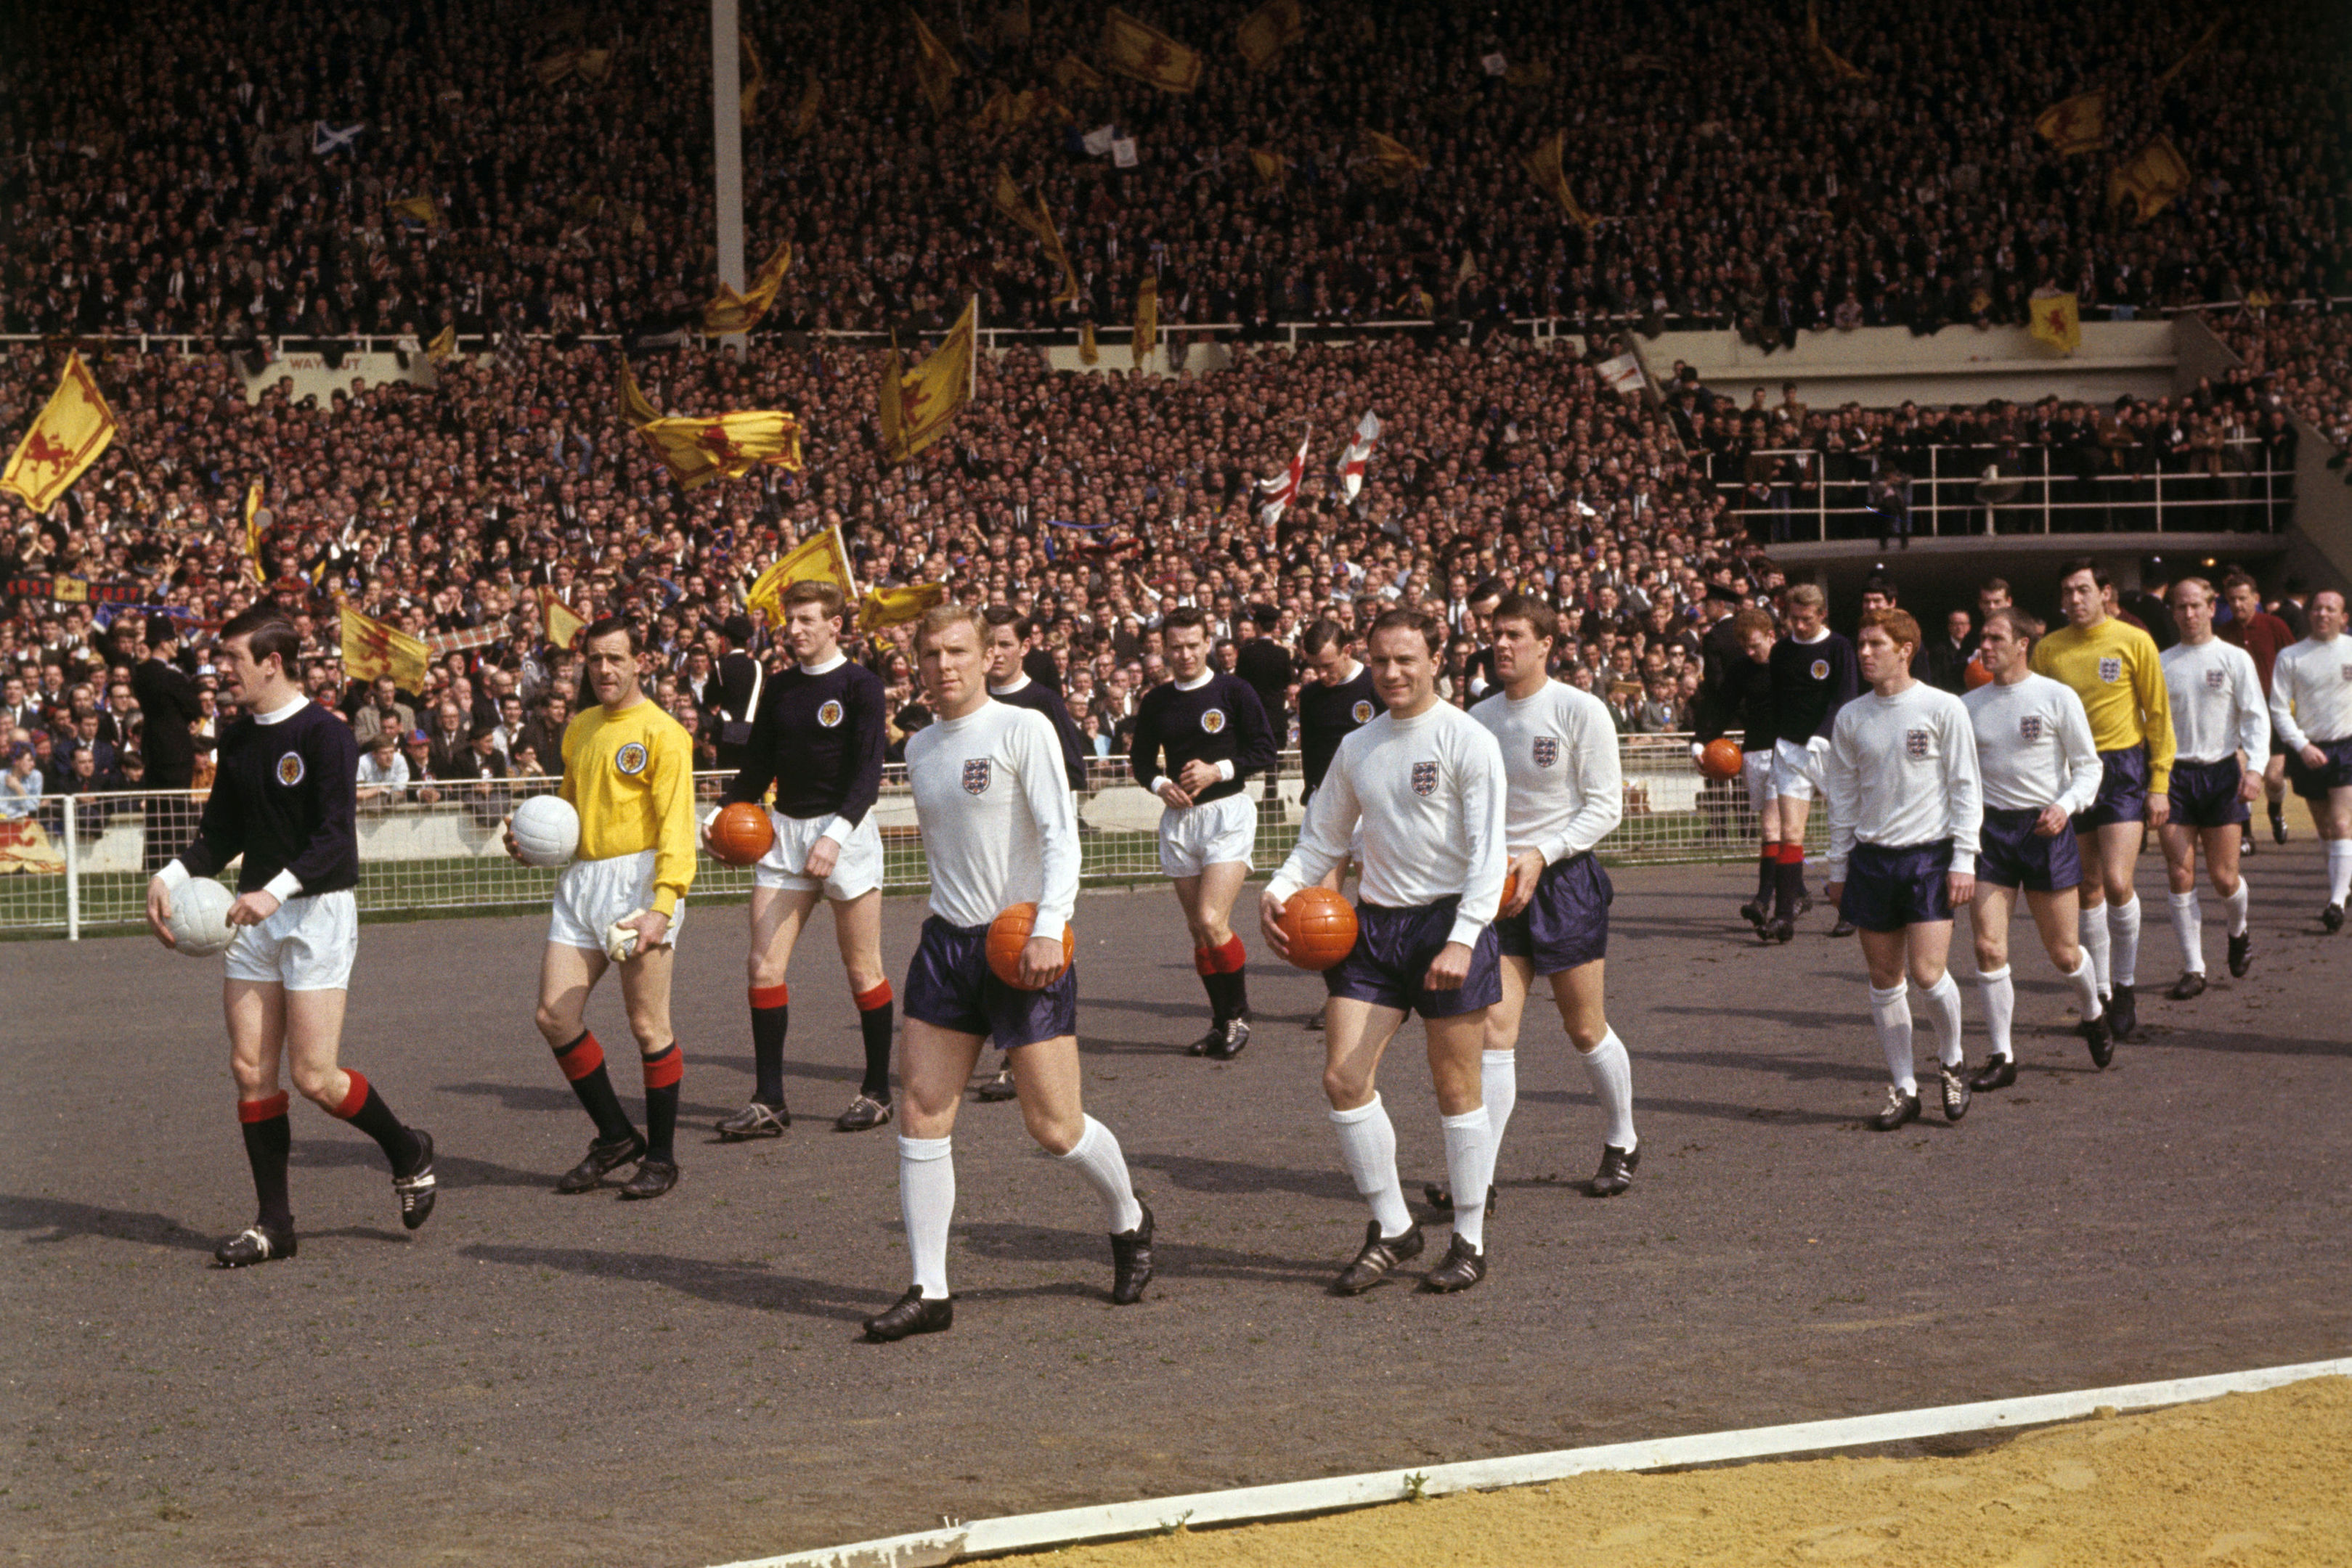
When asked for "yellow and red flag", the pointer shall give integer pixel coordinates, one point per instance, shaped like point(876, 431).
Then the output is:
point(805, 112)
point(2151, 179)
point(253, 532)
point(444, 344)
point(2058, 321)
point(638, 411)
point(1071, 73)
point(371, 649)
point(2076, 124)
point(419, 210)
point(1087, 353)
point(935, 67)
point(1135, 48)
point(724, 445)
point(1265, 32)
point(1005, 197)
point(820, 558)
point(71, 431)
point(1544, 168)
point(1273, 168)
point(753, 77)
point(563, 625)
point(2204, 43)
point(888, 607)
point(919, 405)
point(1834, 66)
point(1393, 162)
point(731, 312)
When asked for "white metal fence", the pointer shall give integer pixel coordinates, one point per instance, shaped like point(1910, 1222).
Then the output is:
point(79, 865)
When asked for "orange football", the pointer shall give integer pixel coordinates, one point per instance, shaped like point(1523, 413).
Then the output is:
point(1721, 759)
point(1321, 926)
point(1008, 934)
point(741, 834)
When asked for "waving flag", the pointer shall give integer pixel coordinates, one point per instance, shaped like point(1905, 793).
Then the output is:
point(253, 532)
point(1281, 492)
point(2076, 124)
point(1359, 454)
point(2058, 321)
point(564, 626)
point(67, 438)
point(1135, 48)
point(731, 312)
point(918, 405)
point(726, 445)
point(820, 558)
point(326, 138)
point(371, 649)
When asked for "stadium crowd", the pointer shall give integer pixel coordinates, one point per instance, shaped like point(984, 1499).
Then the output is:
point(503, 183)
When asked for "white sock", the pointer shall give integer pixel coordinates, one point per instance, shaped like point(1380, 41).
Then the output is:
point(2123, 931)
point(2188, 927)
point(1470, 1167)
point(2339, 870)
point(2093, 927)
point(1943, 999)
point(1368, 1148)
point(1498, 1085)
point(1612, 1072)
point(1890, 1011)
point(2086, 981)
point(1098, 1159)
point(2000, 1006)
point(926, 1203)
point(2236, 905)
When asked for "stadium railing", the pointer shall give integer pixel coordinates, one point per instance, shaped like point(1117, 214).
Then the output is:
point(76, 865)
point(1955, 498)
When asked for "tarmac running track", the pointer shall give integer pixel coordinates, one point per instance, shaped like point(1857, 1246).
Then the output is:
point(541, 1380)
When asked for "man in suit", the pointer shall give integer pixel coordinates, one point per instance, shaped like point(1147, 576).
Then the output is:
point(1263, 666)
point(167, 708)
point(737, 683)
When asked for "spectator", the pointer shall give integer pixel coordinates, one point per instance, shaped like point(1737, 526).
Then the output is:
point(384, 772)
point(20, 785)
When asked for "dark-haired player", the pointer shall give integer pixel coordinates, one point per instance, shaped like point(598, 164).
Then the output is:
point(1426, 782)
point(1738, 694)
point(2223, 730)
point(998, 829)
point(1197, 740)
point(818, 735)
point(284, 798)
point(628, 770)
point(2311, 707)
point(1905, 805)
point(2113, 667)
point(1814, 675)
point(2038, 766)
point(2265, 636)
point(1334, 700)
point(1566, 794)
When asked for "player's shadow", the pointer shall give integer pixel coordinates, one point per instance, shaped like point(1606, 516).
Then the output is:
point(1712, 1109)
point(2189, 1037)
point(45, 1220)
point(744, 1285)
point(1794, 1068)
point(1197, 1173)
point(449, 1170)
point(533, 1097)
point(1171, 1261)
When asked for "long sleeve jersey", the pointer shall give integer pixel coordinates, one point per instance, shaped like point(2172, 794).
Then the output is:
point(2310, 690)
point(2215, 691)
point(2033, 746)
point(1041, 698)
point(819, 735)
point(285, 798)
point(1216, 720)
point(998, 821)
point(1433, 800)
point(1559, 755)
point(1901, 770)
point(1328, 715)
point(2115, 669)
point(630, 775)
point(1810, 683)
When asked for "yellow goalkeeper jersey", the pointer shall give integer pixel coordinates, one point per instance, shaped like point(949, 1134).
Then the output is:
point(630, 775)
point(2115, 669)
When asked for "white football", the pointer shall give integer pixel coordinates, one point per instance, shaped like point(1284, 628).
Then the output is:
point(199, 923)
point(547, 830)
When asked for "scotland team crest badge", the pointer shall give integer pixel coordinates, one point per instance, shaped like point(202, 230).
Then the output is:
point(976, 771)
point(829, 714)
point(1213, 720)
point(1362, 712)
point(1546, 749)
point(630, 758)
point(290, 769)
point(1424, 778)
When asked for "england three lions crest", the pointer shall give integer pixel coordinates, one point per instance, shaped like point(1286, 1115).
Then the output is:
point(1916, 744)
point(2028, 729)
point(2111, 670)
point(1547, 748)
point(2216, 679)
point(1424, 778)
point(976, 774)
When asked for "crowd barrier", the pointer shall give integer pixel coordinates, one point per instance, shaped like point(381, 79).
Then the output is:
point(78, 866)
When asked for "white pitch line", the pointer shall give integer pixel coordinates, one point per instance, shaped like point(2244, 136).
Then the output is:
point(1245, 1505)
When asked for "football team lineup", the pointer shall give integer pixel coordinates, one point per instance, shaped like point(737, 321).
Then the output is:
point(1473, 834)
